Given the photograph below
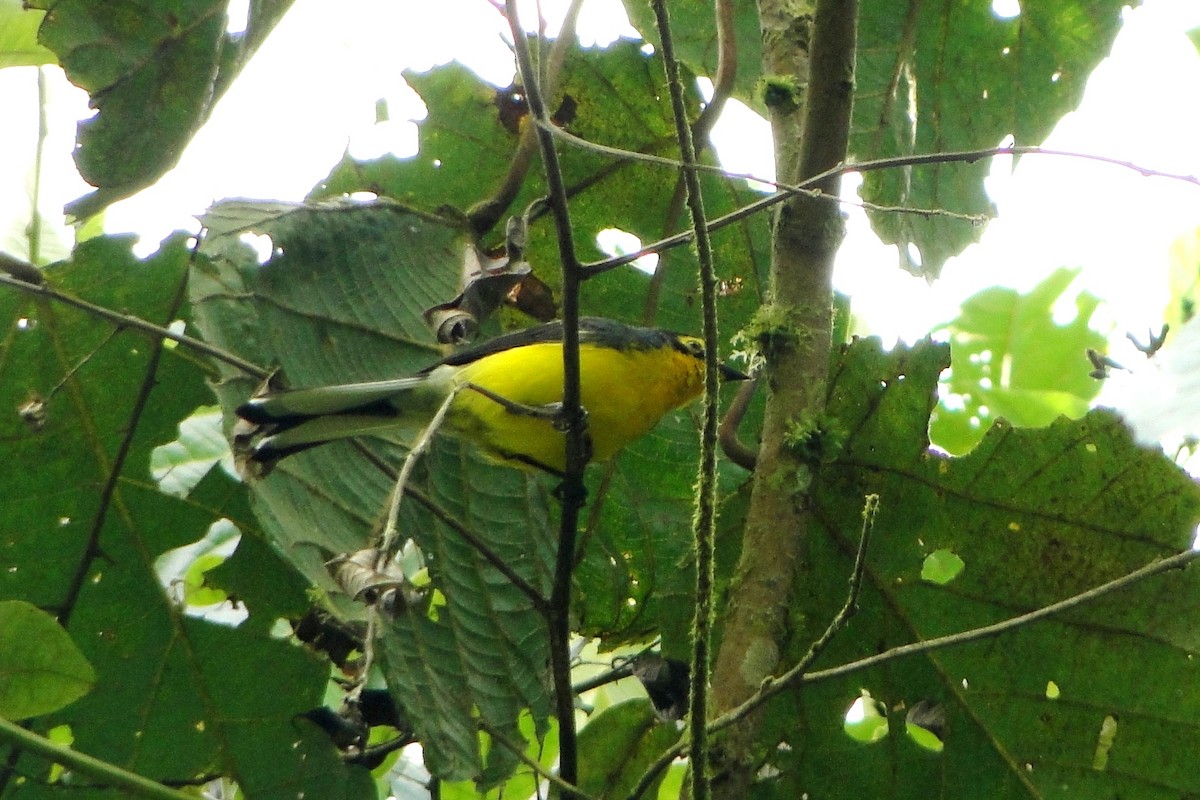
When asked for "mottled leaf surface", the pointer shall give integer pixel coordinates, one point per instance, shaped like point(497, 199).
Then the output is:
point(1035, 515)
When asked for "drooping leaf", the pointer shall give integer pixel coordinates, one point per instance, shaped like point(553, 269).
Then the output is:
point(942, 77)
point(153, 73)
point(618, 745)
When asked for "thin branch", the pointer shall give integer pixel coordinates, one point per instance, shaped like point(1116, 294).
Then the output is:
point(739, 453)
point(390, 533)
point(725, 75)
point(105, 773)
point(848, 609)
point(377, 751)
point(806, 188)
point(518, 751)
point(787, 189)
point(793, 678)
point(420, 446)
point(705, 521)
point(35, 216)
point(22, 270)
point(157, 332)
point(616, 673)
point(559, 622)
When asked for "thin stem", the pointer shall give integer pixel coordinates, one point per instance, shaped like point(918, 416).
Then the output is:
point(793, 677)
point(108, 492)
point(704, 522)
point(733, 447)
point(559, 622)
point(726, 73)
point(540, 604)
point(420, 446)
point(101, 771)
point(484, 215)
point(35, 216)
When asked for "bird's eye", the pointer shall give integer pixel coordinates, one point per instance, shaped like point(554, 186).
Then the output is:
point(695, 347)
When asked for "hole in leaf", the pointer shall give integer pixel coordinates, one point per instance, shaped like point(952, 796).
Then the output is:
point(1052, 691)
point(616, 242)
point(179, 465)
point(865, 720)
point(181, 572)
point(237, 16)
point(925, 724)
point(261, 244)
point(1006, 9)
point(941, 567)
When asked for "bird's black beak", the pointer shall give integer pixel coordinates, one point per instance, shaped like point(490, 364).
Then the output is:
point(728, 373)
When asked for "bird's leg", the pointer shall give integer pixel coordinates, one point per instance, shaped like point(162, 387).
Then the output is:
point(552, 412)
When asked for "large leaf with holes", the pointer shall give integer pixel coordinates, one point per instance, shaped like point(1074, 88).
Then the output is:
point(153, 72)
point(1058, 708)
point(84, 523)
point(942, 77)
point(929, 78)
point(339, 297)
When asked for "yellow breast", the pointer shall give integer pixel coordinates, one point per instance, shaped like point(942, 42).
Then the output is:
point(625, 392)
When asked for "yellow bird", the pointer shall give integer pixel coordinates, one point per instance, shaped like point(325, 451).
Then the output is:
point(629, 378)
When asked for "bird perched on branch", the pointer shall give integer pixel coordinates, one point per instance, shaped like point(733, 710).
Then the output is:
point(504, 394)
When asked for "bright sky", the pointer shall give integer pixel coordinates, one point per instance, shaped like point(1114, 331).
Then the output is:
point(311, 91)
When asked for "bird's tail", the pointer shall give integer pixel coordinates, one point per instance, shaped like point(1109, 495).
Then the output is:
point(278, 424)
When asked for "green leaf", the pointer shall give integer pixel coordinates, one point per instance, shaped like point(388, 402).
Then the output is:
point(618, 745)
point(1036, 515)
point(41, 669)
point(153, 73)
point(465, 152)
point(935, 78)
point(1010, 359)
